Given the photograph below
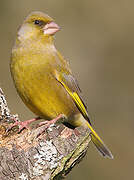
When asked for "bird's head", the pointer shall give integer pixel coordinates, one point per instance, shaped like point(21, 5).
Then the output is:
point(36, 25)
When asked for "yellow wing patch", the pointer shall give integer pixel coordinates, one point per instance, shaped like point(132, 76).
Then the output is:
point(77, 101)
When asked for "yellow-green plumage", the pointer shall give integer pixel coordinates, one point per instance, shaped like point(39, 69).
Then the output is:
point(39, 88)
point(44, 80)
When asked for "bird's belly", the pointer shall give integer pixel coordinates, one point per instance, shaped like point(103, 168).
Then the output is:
point(45, 96)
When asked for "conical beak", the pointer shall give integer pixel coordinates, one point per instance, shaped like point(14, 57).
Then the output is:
point(51, 28)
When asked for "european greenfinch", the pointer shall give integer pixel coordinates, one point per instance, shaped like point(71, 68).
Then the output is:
point(43, 77)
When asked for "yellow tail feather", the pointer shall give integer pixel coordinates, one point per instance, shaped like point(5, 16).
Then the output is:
point(99, 143)
point(94, 136)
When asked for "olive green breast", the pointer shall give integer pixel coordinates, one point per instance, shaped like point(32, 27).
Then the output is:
point(33, 70)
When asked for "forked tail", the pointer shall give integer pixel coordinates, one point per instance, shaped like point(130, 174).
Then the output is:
point(99, 143)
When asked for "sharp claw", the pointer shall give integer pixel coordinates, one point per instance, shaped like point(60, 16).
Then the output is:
point(48, 123)
point(22, 125)
point(19, 124)
point(10, 128)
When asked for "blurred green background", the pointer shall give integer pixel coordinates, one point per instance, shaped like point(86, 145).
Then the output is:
point(98, 39)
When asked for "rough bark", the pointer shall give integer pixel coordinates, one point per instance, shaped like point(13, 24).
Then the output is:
point(27, 156)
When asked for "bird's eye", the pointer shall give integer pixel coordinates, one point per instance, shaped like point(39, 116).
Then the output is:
point(38, 22)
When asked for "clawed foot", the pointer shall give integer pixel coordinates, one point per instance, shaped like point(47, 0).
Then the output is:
point(47, 124)
point(25, 124)
point(22, 125)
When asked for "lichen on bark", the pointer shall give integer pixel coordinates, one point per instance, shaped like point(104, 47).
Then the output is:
point(27, 156)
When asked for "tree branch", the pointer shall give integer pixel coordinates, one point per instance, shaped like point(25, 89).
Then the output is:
point(25, 156)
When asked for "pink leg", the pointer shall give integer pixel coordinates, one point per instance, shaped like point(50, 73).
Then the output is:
point(48, 123)
point(53, 121)
point(23, 124)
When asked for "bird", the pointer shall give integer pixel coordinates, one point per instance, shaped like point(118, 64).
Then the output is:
point(44, 80)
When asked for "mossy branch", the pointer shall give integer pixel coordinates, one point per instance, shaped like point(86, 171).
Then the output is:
point(25, 156)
